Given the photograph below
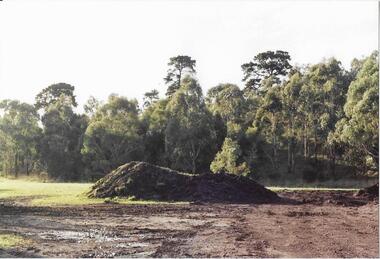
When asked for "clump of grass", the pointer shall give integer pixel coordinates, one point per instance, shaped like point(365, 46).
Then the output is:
point(112, 200)
point(10, 240)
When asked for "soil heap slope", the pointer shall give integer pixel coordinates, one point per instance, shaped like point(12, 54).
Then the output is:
point(146, 181)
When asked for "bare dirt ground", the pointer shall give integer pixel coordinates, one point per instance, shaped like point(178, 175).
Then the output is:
point(314, 224)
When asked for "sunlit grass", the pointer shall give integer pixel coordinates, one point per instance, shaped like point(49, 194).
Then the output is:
point(337, 185)
point(279, 189)
point(56, 194)
point(48, 194)
point(10, 240)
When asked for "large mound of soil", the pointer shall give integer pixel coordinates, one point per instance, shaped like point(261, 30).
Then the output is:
point(145, 181)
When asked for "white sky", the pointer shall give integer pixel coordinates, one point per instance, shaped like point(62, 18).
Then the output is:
point(123, 47)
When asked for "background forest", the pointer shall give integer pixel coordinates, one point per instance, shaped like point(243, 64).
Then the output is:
point(313, 123)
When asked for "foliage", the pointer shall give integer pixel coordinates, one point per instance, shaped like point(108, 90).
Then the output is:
point(53, 93)
point(360, 128)
point(62, 140)
point(189, 132)
point(179, 67)
point(112, 137)
point(153, 123)
point(264, 65)
point(150, 98)
point(226, 160)
point(227, 101)
point(91, 106)
point(19, 136)
point(286, 122)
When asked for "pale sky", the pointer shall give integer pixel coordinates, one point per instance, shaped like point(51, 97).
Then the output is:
point(104, 47)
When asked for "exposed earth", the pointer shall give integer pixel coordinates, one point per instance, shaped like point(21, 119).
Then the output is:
point(313, 224)
point(169, 185)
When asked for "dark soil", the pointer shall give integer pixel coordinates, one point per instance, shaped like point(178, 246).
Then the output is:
point(370, 192)
point(145, 181)
point(319, 224)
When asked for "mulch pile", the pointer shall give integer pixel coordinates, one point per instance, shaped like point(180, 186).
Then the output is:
point(370, 192)
point(146, 181)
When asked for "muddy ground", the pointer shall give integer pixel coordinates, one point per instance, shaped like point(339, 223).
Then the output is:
point(311, 224)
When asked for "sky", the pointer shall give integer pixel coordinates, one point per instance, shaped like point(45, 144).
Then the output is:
point(123, 47)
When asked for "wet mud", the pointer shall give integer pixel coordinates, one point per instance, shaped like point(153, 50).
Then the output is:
point(305, 224)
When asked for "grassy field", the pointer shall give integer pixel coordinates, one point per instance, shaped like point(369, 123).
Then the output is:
point(340, 184)
point(50, 194)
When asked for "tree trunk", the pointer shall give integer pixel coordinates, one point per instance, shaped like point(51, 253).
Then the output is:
point(305, 147)
point(16, 165)
point(194, 166)
point(315, 147)
point(291, 149)
point(275, 152)
point(293, 160)
point(289, 156)
point(274, 144)
point(27, 168)
point(179, 79)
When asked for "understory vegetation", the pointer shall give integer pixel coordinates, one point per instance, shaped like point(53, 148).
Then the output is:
point(308, 124)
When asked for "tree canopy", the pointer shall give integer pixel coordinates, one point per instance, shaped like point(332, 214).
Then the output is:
point(179, 67)
point(264, 65)
point(53, 93)
point(314, 122)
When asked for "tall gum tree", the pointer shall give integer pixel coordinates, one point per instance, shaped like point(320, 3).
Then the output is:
point(189, 134)
point(19, 137)
point(112, 137)
point(360, 128)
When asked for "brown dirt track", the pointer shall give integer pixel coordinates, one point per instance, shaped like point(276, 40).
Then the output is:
point(319, 224)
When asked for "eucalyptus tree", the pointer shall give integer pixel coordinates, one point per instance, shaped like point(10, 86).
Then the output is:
point(227, 100)
point(150, 98)
point(53, 93)
point(269, 122)
point(91, 106)
point(62, 139)
point(154, 120)
point(292, 118)
point(327, 83)
point(19, 136)
point(112, 137)
point(189, 136)
point(360, 128)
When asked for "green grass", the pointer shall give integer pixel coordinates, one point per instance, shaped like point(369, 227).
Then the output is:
point(55, 194)
point(340, 184)
point(10, 240)
point(58, 194)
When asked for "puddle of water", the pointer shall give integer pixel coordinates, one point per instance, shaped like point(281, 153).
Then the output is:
point(142, 254)
point(98, 236)
point(133, 245)
point(63, 235)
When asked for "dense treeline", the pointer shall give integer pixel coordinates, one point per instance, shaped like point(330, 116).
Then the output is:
point(307, 122)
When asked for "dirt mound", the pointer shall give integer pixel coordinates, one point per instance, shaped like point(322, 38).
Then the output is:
point(371, 191)
point(145, 181)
